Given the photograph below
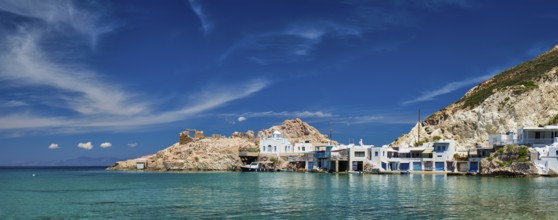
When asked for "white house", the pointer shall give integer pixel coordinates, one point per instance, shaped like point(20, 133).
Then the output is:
point(443, 155)
point(358, 156)
point(275, 144)
point(303, 147)
point(383, 158)
point(537, 136)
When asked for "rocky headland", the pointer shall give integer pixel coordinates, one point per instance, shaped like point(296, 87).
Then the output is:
point(218, 153)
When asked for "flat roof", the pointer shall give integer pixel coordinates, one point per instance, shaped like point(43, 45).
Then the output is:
point(427, 151)
point(404, 150)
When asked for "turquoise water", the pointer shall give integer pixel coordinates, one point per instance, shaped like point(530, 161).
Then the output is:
point(93, 193)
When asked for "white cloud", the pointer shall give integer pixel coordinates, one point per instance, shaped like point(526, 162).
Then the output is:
point(25, 64)
point(59, 16)
point(296, 114)
point(449, 87)
point(132, 144)
point(241, 119)
point(86, 146)
point(96, 101)
point(15, 103)
point(292, 44)
point(53, 146)
point(209, 98)
point(106, 145)
point(207, 26)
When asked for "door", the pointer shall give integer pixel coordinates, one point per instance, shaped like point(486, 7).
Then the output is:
point(417, 166)
point(384, 166)
point(439, 166)
point(310, 165)
point(474, 167)
point(404, 166)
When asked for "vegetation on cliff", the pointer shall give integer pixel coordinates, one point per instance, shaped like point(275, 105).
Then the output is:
point(511, 160)
point(509, 154)
point(520, 78)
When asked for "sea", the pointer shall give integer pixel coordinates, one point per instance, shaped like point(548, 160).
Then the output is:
point(93, 193)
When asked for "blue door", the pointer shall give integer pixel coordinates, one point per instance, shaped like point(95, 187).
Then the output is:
point(439, 166)
point(417, 166)
point(355, 165)
point(310, 165)
point(404, 166)
point(474, 167)
point(384, 166)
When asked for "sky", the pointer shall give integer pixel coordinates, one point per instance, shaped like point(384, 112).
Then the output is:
point(122, 78)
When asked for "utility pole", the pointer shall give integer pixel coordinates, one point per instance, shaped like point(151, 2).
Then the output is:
point(418, 131)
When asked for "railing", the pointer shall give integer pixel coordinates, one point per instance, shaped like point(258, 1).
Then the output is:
point(547, 141)
point(296, 159)
point(342, 157)
point(321, 155)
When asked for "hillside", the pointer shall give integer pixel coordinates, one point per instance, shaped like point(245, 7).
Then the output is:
point(524, 95)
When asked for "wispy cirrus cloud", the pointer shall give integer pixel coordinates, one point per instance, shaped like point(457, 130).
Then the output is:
point(283, 114)
point(59, 16)
point(448, 88)
point(14, 103)
point(24, 63)
point(93, 100)
point(207, 26)
point(292, 44)
point(209, 98)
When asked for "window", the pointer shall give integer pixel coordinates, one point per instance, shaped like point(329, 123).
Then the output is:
point(360, 154)
point(275, 148)
point(303, 148)
point(269, 148)
point(376, 153)
point(383, 153)
point(537, 135)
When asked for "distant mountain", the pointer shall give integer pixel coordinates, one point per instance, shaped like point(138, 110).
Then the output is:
point(80, 161)
point(524, 95)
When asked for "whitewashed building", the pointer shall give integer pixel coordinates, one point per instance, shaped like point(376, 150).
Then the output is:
point(303, 147)
point(275, 144)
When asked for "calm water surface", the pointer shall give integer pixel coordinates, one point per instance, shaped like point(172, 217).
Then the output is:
point(93, 193)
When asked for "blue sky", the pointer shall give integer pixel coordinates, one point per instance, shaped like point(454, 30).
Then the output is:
point(136, 73)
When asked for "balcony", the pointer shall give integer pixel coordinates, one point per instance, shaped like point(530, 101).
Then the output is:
point(533, 141)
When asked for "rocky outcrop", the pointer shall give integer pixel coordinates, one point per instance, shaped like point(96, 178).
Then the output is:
point(525, 95)
point(217, 152)
point(511, 160)
point(493, 168)
point(297, 131)
point(203, 154)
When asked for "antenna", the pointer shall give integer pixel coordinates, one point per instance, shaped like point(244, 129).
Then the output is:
point(330, 132)
point(418, 131)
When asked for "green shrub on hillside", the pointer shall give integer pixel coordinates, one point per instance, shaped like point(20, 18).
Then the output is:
point(553, 121)
point(522, 77)
point(509, 154)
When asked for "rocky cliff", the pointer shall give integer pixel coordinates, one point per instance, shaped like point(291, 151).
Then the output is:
point(524, 95)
